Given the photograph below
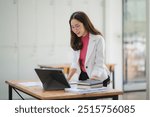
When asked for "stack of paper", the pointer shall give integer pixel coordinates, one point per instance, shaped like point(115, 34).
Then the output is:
point(74, 89)
point(87, 84)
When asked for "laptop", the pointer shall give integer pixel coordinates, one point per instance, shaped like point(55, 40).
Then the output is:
point(52, 79)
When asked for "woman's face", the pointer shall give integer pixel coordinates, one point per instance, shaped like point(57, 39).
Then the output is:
point(78, 28)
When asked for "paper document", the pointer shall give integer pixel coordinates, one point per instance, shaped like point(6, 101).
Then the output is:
point(29, 84)
point(83, 91)
point(72, 82)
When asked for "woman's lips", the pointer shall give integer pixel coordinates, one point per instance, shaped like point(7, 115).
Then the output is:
point(78, 33)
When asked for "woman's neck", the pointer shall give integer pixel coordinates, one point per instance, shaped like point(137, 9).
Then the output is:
point(85, 34)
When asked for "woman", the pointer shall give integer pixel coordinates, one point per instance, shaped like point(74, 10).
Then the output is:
point(88, 45)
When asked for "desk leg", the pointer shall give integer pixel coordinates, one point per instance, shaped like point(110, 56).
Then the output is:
point(115, 97)
point(113, 79)
point(10, 93)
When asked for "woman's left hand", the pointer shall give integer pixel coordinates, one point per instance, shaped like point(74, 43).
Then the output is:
point(94, 78)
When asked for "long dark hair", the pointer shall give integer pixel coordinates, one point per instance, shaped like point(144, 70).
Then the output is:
point(75, 42)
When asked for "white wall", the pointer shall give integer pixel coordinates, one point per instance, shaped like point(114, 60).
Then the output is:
point(8, 44)
point(36, 32)
point(113, 36)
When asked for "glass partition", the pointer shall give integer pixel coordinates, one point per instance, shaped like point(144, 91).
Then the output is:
point(134, 43)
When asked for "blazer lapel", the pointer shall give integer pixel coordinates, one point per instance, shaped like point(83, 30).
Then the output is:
point(91, 46)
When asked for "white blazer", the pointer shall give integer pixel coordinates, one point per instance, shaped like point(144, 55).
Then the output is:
point(94, 62)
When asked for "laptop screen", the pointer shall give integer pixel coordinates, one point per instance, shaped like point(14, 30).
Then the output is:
point(52, 79)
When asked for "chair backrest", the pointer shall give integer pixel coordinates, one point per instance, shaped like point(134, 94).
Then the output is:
point(111, 67)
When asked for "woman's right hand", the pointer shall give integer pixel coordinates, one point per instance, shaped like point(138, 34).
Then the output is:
point(71, 73)
point(68, 79)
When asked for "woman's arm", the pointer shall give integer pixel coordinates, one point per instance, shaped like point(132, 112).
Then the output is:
point(71, 73)
point(99, 71)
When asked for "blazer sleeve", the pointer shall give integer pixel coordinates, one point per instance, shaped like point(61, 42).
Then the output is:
point(99, 66)
point(75, 59)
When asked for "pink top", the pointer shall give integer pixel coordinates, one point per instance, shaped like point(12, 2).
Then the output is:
point(85, 41)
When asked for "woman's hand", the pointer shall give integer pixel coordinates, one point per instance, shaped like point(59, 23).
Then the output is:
point(71, 73)
point(68, 79)
point(95, 78)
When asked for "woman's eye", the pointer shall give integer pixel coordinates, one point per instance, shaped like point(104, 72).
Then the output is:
point(75, 27)
point(78, 26)
point(72, 27)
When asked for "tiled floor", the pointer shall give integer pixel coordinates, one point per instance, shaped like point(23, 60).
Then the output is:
point(138, 95)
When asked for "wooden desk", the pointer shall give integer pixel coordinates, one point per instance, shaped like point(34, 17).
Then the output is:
point(38, 92)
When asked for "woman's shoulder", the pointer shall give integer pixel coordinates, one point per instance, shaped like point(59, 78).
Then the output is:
point(98, 37)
